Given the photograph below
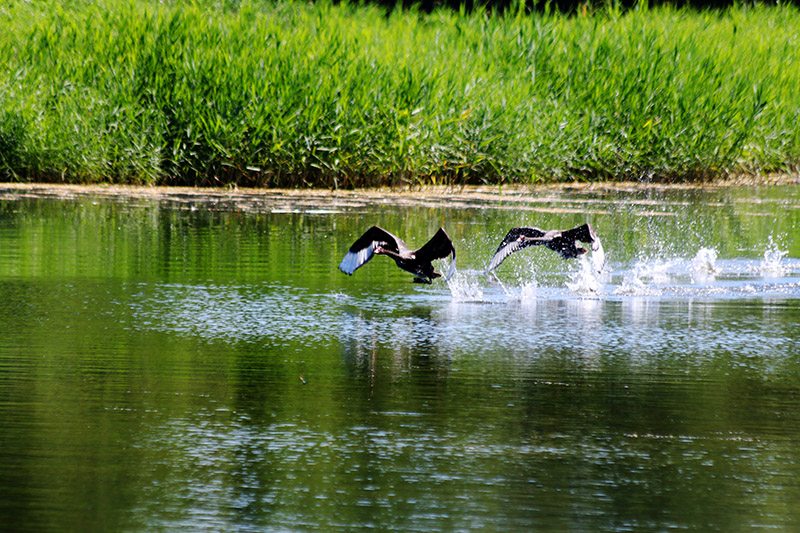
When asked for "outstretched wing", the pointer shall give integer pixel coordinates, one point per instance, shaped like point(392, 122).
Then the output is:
point(511, 244)
point(584, 233)
point(587, 234)
point(439, 247)
point(364, 248)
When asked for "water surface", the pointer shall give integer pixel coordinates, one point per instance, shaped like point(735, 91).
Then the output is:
point(197, 362)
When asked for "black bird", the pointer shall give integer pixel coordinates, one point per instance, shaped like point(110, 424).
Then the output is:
point(564, 242)
point(379, 241)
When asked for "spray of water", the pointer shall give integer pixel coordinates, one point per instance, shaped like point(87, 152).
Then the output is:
point(643, 279)
point(771, 264)
point(477, 286)
point(634, 284)
point(528, 292)
point(587, 279)
point(657, 272)
point(704, 265)
point(466, 286)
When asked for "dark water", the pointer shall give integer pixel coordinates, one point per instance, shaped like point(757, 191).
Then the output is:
point(192, 364)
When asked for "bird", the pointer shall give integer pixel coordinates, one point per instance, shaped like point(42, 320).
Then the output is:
point(378, 241)
point(564, 242)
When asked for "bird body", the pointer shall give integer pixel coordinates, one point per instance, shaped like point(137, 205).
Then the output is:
point(565, 242)
point(378, 241)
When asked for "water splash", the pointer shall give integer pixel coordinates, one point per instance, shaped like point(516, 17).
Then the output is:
point(586, 280)
point(702, 275)
point(704, 265)
point(339, 296)
point(633, 285)
point(641, 279)
point(528, 292)
point(771, 264)
point(466, 286)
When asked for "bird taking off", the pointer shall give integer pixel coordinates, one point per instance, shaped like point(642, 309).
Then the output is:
point(378, 241)
point(564, 242)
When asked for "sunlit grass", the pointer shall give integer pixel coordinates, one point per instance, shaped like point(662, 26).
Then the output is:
point(289, 94)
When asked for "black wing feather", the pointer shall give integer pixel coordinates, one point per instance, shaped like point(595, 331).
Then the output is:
point(378, 234)
point(583, 233)
point(364, 248)
point(439, 247)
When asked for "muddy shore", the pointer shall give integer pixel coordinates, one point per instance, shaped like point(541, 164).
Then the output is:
point(321, 199)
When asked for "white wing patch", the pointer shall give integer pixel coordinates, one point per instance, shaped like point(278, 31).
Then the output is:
point(452, 269)
point(598, 255)
point(354, 260)
point(501, 254)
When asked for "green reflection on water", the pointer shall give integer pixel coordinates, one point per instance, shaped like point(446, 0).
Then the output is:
point(168, 366)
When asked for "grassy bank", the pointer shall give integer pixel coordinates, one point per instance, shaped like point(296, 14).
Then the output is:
point(287, 94)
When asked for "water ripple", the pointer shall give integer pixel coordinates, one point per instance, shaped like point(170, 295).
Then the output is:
point(653, 309)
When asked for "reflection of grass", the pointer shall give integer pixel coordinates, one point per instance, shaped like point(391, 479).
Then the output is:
point(290, 94)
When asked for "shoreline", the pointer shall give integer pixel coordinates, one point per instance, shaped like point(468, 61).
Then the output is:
point(414, 194)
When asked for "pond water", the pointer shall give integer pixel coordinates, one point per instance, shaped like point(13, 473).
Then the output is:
point(193, 362)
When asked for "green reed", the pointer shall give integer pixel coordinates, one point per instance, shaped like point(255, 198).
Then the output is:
point(290, 94)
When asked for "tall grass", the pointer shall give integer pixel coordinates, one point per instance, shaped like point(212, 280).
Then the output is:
point(290, 94)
